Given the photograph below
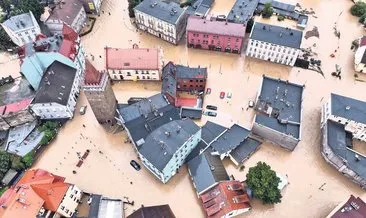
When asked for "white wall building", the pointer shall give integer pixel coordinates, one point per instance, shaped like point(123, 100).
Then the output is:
point(70, 201)
point(22, 28)
point(274, 43)
point(360, 56)
point(133, 64)
point(58, 92)
point(164, 20)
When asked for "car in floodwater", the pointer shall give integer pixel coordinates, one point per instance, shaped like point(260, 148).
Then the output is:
point(211, 107)
point(222, 95)
point(135, 165)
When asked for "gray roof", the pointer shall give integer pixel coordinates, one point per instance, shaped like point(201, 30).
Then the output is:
point(49, 44)
point(279, 5)
point(143, 107)
point(201, 146)
point(183, 72)
point(284, 100)
point(68, 13)
point(159, 211)
point(206, 170)
point(20, 22)
point(210, 131)
point(349, 108)
point(277, 35)
point(230, 139)
point(242, 11)
point(169, 12)
point(159, 147)
point(140, 127)
point(94, 206)
point(57, 79)
point(9, 177)
point(244, 150)
point(337, 142)
point(192, 113)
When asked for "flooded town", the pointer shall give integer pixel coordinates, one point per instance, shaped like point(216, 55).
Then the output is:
point(113, 118)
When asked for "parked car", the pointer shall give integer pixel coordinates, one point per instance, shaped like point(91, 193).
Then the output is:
point(251, 103)
point(229, 95)
point(211, 107)
point(208, 91)
point(83, 110)
point(222, 95)
point(135, 165)
point(212, 114)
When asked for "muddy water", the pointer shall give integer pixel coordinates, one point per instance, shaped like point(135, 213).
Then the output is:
point(109, 172)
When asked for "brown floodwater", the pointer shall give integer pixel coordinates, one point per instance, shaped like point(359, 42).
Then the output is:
point(109, 172)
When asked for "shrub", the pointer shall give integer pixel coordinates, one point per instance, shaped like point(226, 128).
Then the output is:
point(280, 18)
point(358, 9)
point(28, 159)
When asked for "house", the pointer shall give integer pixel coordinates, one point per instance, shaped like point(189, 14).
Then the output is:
point(226, 199)
point(69, 12)
point(97, 206)
point(158, 211)
point(165, 149)
point(352, 208)
point(242, 152)
point(211, 34)
point(200, 8)
point(166, 20)
point(22, 28)
point(242, 11)
point(98, 90)
point(279, 112)
point(42, 194)
point(15, 114)
point(133, 64)
point(181, 78)
point(343, 124)
point(92, 6)
point(274, 43)
point(206, 171)
point(66, 48)
point(57, 93)
point(360, 56)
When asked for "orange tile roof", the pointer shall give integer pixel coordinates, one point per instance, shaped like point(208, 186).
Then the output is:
point(35, 189)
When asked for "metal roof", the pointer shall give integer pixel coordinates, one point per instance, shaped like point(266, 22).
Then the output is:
point(336, 136)
point(349, 108)
point(201, 146)
point(276, 35)
point(206, 170)
point(20, 22)
point(280, 103)
point(242, 11)
point(169, 12)
point(278, 5)
point(162, 143)
point(210, 131)
point(94, 206)
point(192, 113)
point(244, 150)
point(159, 211)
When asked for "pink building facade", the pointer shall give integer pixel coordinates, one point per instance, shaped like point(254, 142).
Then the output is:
point(215, 35)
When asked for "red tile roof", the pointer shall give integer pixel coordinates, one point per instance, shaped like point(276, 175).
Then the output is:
point(15, 107)
point(68, 11)
point(69, 33)
point(353, 208)
point(225, 197)
point(197, 24)
point(363, 41)
point(92, 75)
point(68, 49)
point(132, 59)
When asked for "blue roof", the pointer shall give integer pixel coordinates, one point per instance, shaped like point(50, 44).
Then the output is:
point(169, 12)
point(349, 108)
point(276, 34)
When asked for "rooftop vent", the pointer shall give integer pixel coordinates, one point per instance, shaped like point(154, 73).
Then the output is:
point(264, 27)
point(212, 168)
point(357, 158)
point(291, 33)
point(167, 133)
point(348, 108)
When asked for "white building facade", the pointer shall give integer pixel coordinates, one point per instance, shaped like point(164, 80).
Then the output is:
point(70, 201)
point(134, 74)
point(360, 59)
point(22, 28)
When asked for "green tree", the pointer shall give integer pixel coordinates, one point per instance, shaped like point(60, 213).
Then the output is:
point(131, 5)
point(30, 5)
point(28, 159)
point(4, 163)
point(17, 163)
point(358, 9)
point(5, 41)
point(262, 180)
point(267, 11)
point(362, 19)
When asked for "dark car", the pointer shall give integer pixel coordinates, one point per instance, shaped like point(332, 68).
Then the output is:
point(211, 114)
point(211, 107)
point(135, 165)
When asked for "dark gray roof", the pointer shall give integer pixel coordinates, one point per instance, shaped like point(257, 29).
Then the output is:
point(183, 72)
point(160, 211)
point(206, 170)
point(242, 11)
point(230, 139)
point(143, 107)
point(244, 150)
point(57, 79)
point(201, 146)
point(192, 113)
point(202, 9)
point(49, 44)
point(20, 22)
point(349, 108)
point(210, 131)
point(278, 5)
point(159, 147)
point(337, 142)
point(285, 99)
point(9, 177)
point(276, 35)
point(94, 206)
point(169, 12)
point(207, 2)
point(140, 127)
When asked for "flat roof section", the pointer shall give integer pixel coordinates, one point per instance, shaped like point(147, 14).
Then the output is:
point(349, 108)
point(242, 11)
point(245, 150)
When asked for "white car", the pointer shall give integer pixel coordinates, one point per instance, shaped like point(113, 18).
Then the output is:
point(229, 95)
point(82, 110)
point(251, 103)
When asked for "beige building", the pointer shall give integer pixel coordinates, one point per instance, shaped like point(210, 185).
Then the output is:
point(70, 201)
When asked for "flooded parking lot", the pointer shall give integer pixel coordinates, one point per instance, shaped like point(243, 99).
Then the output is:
point(107, 170)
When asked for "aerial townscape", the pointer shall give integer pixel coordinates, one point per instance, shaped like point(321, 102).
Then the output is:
point(182, 108)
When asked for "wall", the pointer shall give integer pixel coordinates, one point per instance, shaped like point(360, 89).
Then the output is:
point(80, 20)
point(271, 52)
point(54, 25)
point(214, 42)
point(236, 212)
point(134, 74)
point(191, 85)
point(70, 202)
point(18, 118)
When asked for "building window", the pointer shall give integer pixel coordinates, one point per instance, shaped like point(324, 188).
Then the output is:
point(67, 210)
point(137, 72)
point(62, 207)
point(71, 196)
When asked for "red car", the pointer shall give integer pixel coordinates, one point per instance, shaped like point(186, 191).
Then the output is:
point(222, 95)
